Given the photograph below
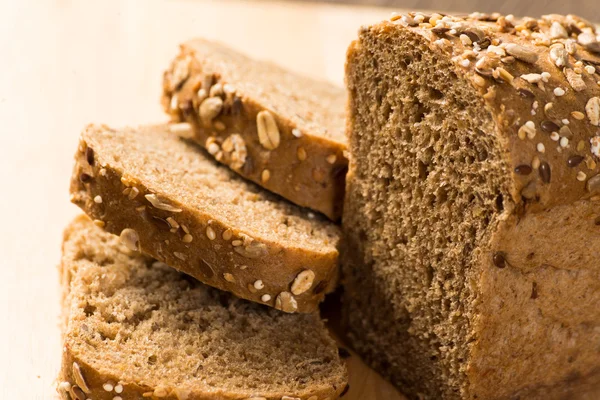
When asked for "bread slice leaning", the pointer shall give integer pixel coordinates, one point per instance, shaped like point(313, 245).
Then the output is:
point(283, 131)
point(170, 200)
point(135, 328)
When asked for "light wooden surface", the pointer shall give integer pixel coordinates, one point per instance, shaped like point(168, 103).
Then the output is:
point(66, 63)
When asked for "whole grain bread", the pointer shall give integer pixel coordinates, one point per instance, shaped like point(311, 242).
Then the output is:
point(281, 130)
point(170, 200)
point(135, 328)
point(471, 265)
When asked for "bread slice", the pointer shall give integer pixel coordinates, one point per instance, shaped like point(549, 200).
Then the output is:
point(169, 199)
point(135, 328)
point(281, 130)
point(472, 207)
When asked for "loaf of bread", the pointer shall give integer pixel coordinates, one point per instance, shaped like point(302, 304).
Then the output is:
point(281, 130)
point(170, 200)
point(472, 216)
point(134, 328)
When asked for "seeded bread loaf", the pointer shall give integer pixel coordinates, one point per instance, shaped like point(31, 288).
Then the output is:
point(281, 130)
point(170, 200)
point(472, 214)
point(135, 328)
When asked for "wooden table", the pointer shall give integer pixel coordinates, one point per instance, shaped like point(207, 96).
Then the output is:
point(67, 63)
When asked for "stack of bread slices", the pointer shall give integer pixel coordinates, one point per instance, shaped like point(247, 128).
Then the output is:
point(470, 187)
point(209, 242)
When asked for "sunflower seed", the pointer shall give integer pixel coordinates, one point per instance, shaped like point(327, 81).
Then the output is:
point(592, 108)
point(521, 53)
point(286, 302)
point(161, 204)
point(303, 282)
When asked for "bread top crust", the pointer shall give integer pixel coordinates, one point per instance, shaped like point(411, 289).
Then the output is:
point(540, 81)
point(316, 108)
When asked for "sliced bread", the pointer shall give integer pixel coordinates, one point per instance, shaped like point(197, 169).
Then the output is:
point(472, 212)
point(167, 198)
point(281, 130)
point(135, 328)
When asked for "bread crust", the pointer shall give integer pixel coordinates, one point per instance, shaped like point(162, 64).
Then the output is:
point(513, 101)
point(233, 262)
point(535, 330)
point(307, 163)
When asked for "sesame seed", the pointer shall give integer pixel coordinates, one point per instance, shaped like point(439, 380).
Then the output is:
point(210, 233)
point(265, 297)
point(590, 69)
point(108, 387)
point(98, 199)
point(265, 175)
point(578, 115)
point(564, 142)
point(228, 88)
point(566, 121)
point(187, 238)
point(213, 148)
point(555, 136)
point(581, 176)
point(535, 163)
point(465, 63)
point(558, 92)
point(181, 128)
point(331, 158)
point(296, 132)
point(117, 398)
point(119, 388)
point(541, 148)
point(172, 223)
point(301, 153)
point(174, 102)
point(259, 285)
point(219, 125)
point(228, 277)
point(227, 234)
point(465, 40)
point(202, 95)
point(236, 243)
point(99, 223)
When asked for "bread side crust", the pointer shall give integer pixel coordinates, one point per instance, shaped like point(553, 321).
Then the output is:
point(305, 167)
point(537, 331)
point(209, 258)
